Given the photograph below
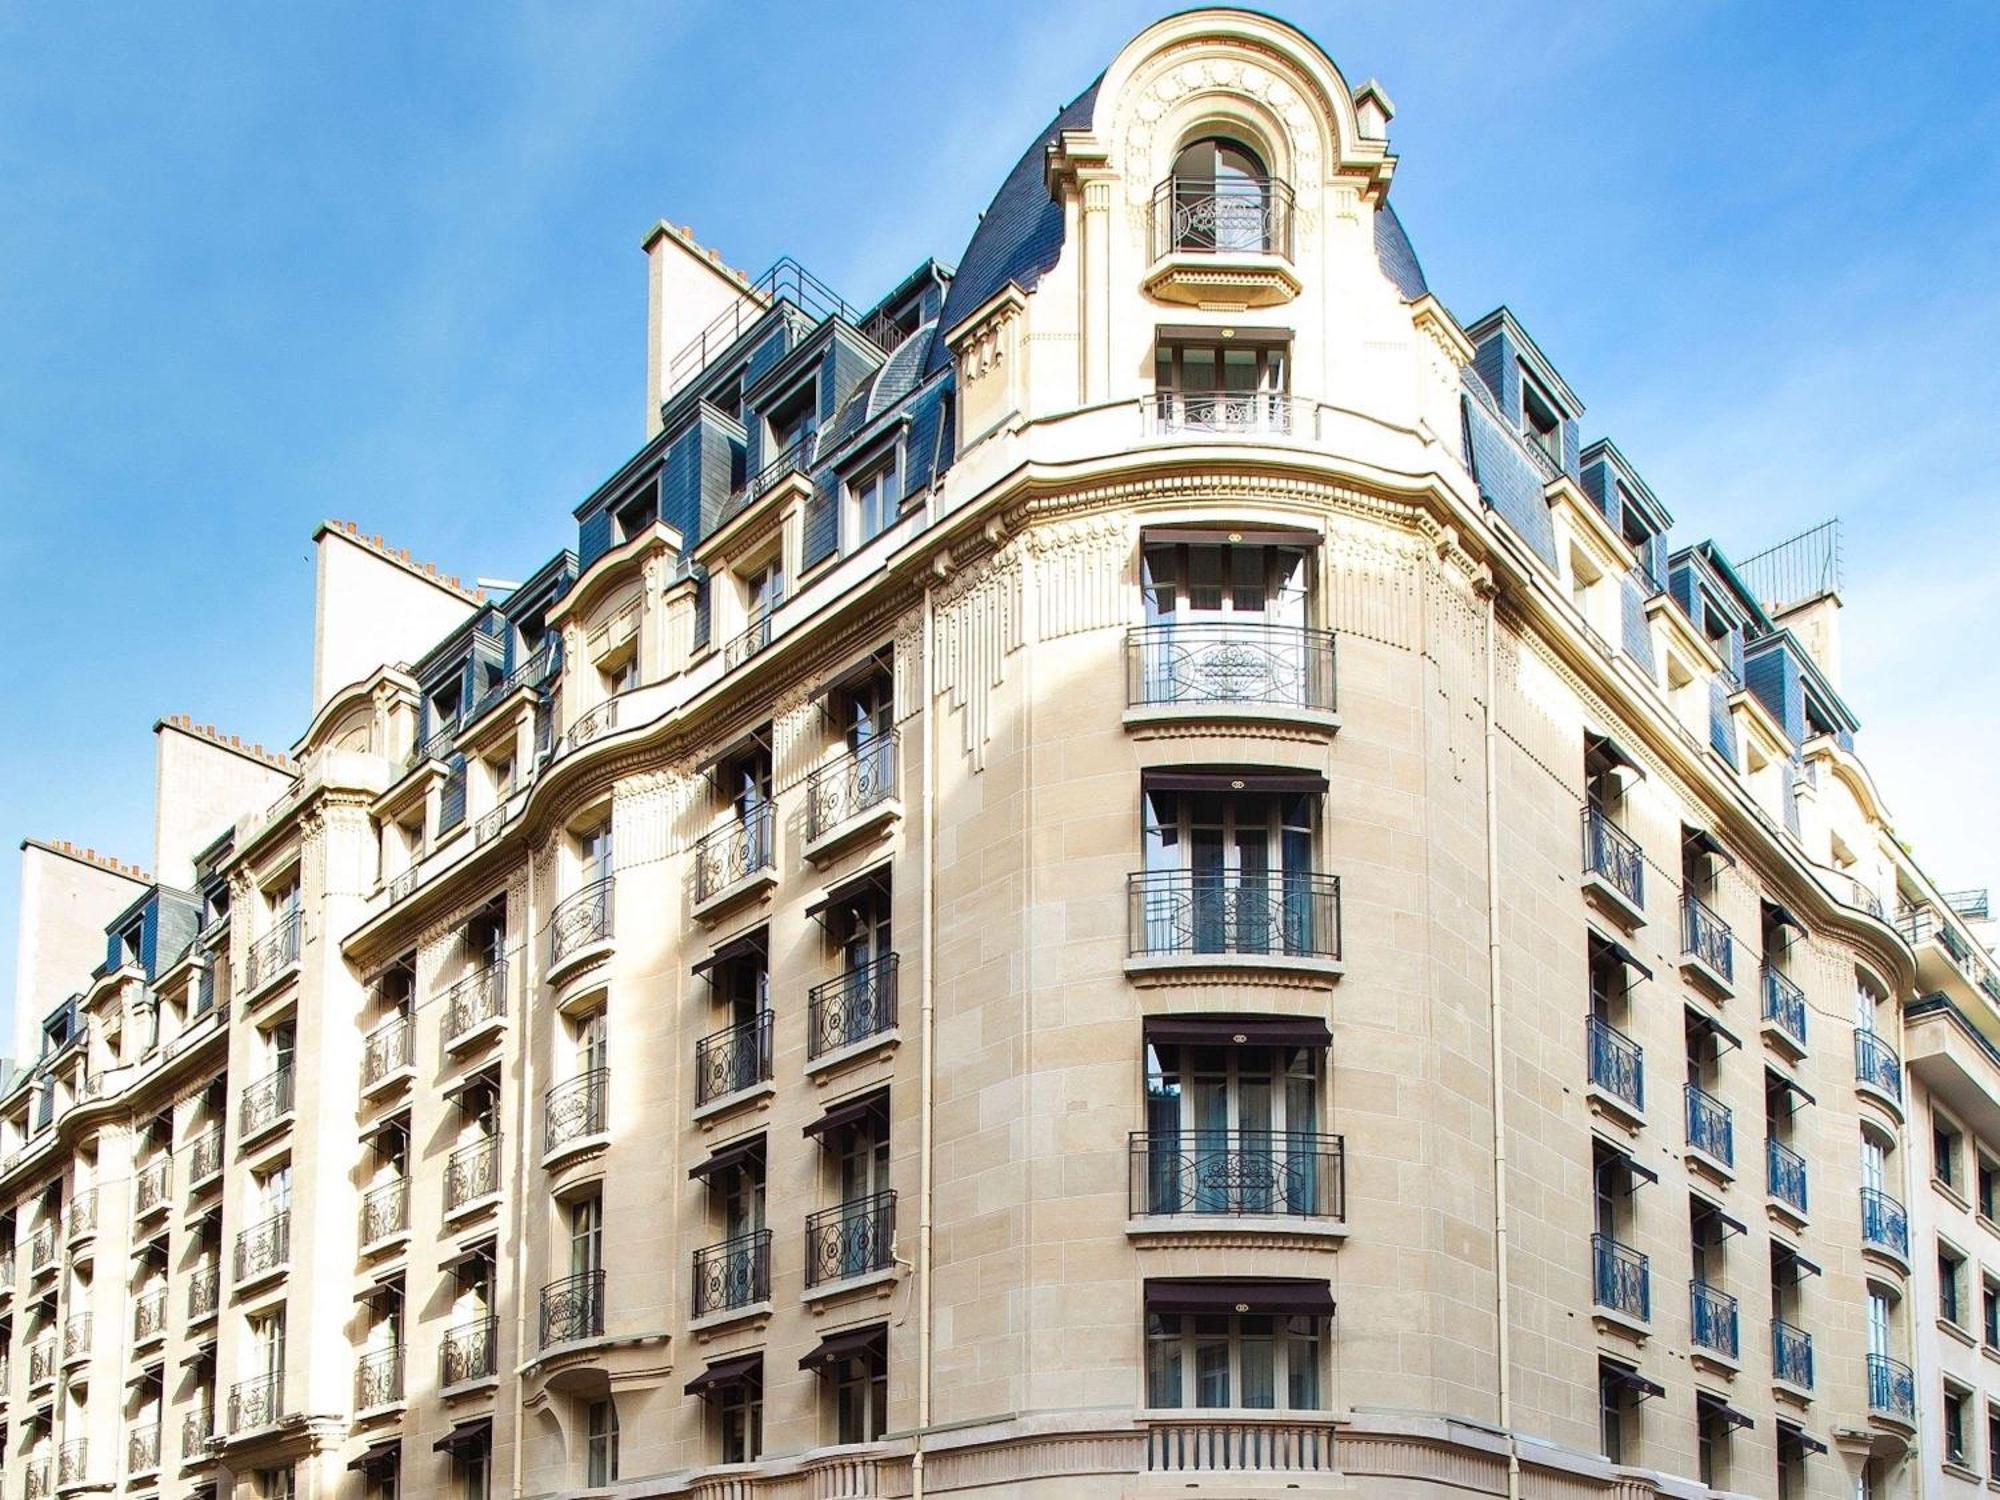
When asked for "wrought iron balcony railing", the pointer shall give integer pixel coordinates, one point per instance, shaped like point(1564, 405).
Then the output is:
point(149, 1315)
point(575, 1108)
point(1706, 937)
point(142, 1449)
point(385, 1210)
point(1791, 1355)
point(155, 1183)
point(264, 1246)
point(733, 1274)
point(35, 1481)
point(1171, 413)
point(582, 919)
point(1622, 1278)
point(1710, 1128)
point(1785, 1175)
point(472, 1171)
point(7, 1270)
point(746, 643)
point(862, 778)
point(1613, 856)
point(72, 1462)
point(733, 1059)
point(481, 996)
point(594, 723)
point(1785, 1006)
point(1287, 914)
point(378, 1378)
point(42, 1360)
point(205, 1155)
point(1294, 1174)
point(1877, 1065)
point(81, 1217)
point(265, 1102)
point(387, 1048)
point(76, 1337)
point(272, 954)
point(204, 1290)
point(1222, 216)
point(1892, 1388)
point(1617, 1063)
point(256, 1402)
point(469, 1352)
point(742, 847)
point(1884, 1224)
point(197, 1427)
point(851, 1239)
point(1713, 1319)
point(42, 1249)
point(573, 1308)
point(796, 459)
point(1226, 662)
point(852, 1007)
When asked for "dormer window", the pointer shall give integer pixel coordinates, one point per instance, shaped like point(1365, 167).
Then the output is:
point(793, 421)
point(872, 500)
point(636, 512)
point(1541, 423)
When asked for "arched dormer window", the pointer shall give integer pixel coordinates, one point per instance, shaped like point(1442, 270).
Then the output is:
point(1224, 200)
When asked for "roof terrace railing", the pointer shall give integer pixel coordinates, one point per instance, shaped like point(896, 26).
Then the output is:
point(785, 281)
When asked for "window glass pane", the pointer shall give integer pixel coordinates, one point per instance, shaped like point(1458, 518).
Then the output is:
point(1198, 372)
point(1163, 1362)
point(1302, 1364)
point(1258, 1358)
point(1211, 1370)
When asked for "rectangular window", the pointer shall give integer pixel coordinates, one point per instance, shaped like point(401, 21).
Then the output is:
point(1540, 422)
point(1990, 1313)
point(1954, 1426)
point(471, 1467)
point(741, 1414)
point(601, 1443)
point(861, 1397)
point(1951, 1276)
point(1611, 1413)
point(1944, 1152)
point(1989, 1189)
point(1237, 386)
point(874, 498)
point(1993, 1440)
point(1214, 1360)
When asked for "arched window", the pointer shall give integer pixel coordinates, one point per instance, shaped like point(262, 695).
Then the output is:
point(1222, 199)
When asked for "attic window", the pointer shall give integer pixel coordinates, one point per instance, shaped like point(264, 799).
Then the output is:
point(636, 512)
point(794, 420)
point(1541, 424)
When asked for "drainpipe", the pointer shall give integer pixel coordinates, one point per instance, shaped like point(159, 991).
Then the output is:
point(1503, 1302)
point(524, 1072)
point(925, 1185)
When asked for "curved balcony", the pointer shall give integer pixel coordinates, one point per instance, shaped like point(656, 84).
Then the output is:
point(385, 1211)
point(573, 1309)
point(1222, 239)
point(388, 1050)
point(1885, 1227)
point(1236, 1174)
point(1221, 414)
point(1178, 918)
point(73, 1463)
point(1877, 1067)
point(1614, 867)
point(197, 1428)
point(1785, 1177)
point(574, 1112)
point(1791, 1355)
point(264, 1248)
point(204, 1292)
point(1617, 1064)
point(256, 1403)
point(852, 1008)
point(378, 1379)
point(1711, 1129)
point(272, 956)
point(76, 1339)
point(736, 858)
point(593, 724)
point(478, 1002)
point(1708, 949)
point(1712, 1320)
point(469, 1353)
point(580, 922)
point(472, 1173)
point(733, 1275)
point(849, 797)
point(81, 1217)
point(142, 1449)
point(851, 1239)
point(1892, 1390)
point(733, 1060)
point(1784, 1013)
point(265, 1103)
point(1228, 669)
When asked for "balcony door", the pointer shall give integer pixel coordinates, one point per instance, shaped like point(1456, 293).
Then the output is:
point(1233, 1129)
point(1225, 622)
point(1230, 870)
point(586, 1236)
point(1221, 198)
point(1223, 386)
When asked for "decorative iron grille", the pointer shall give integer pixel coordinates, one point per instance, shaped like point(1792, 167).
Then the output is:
point(378, 1378)
point(155, 1182)
point(581, 919)
point(1622, 1279)
point(472, 1172)
point(256, 1403)
point(1277, 913)
point(264, 1246)
point(1613, 856)
point(1713, 1319)
point(1792, 1355)
point(1222, 216)
point(733, 1274)
point(1877, 1065)
point(862, 778)
point(1884, 1224)
point(1706, 936)
point(1296, 1174)
point(205, 1155)
point(468, 1352)
point(736, 851)
point(852, 1007)
point(851, 1239)
point(142, 1449)
point(149, 1315)
point(204, 1290)
point(385, 1210)
point(479, 997)
point(273, 953)
point(265, 1102)
point(1785, 1006)
point(1710, 1128)
point(387, 1048)
point(575, 1108)
point(1273, 666)
point(1219, 413)
point(1785, 1174)
point(733, 1059)
point(1892, 1388)
point(1617, 1063)
point(573, 1308)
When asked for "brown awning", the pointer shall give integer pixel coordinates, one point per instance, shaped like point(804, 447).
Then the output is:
point(752, 944)
point(874, 663)
point(1238, 334)
point(1612, 752)
point(1788, 1256)
point(476, 1251)
point(727, 1159)
point(1805, 1441)
point(875, 877)
point(1601, 944)
point(1706, 1210)
point(1779, 915)
point(850, 1112)
point(1704, 842)
point(1282, 1296)
point(1235, 1030)
point(377, 1456)
point(741, 1369)
point(1716, 1406)
point(1197, 779)
point(847, 1344)
point(1630, 1379)
point(465, 1437)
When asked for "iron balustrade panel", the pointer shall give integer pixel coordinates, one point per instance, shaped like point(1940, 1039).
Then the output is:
point(42, 1361)
point(735, 1273)
point(1274, 666)
point(197, 1427)
point(1877, 1065)
point(7, 1268)
point(1222, 216)
point(1892, 1387)
point(575, 1108)
point(204, 1291)
point(1706, 936)
point(265, 1102)
point(581, 919)
point(73, 1461)
point(155, 1182)
point(852, 1007)
point(1276, 914)
point(256, 1403)
point(76, 1336)
point(273, 953)
point(1713, 1319)
point(1785, 1174)
point(573, 1308)
point(736, 851)
point(1884, 1224)
point(42, 1250)
point(1710, 1127)
point(861, 779)
point(205, 1155)
point(733, 1059)
point(594, 723)
point(1617, 1063)
point(1792, 1355)
point(385, 1210)
point(404, 884)
point(1296, 1174)
point(1613, 856)
point(1622, 1278)
point(142, 1448)
point(488, 824)
point(378, 1378)
point(36, 1484)
point(149, 1314)
point(469, 1352)
point(387, 1048)
point(479, 997)
point(81, 1217)
point(1785, 1006)
point(747, 643)
point(851, 1239)
point(472, 1172)
point(1220, 413)
point(264, 1247)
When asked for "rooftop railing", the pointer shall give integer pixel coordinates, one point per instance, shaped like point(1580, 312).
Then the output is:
point(1229, 663)
point(1278, 913)
point(1236, 1173)
point(785, 283)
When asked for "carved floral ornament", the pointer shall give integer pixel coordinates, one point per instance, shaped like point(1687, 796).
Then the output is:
point(1170, 101)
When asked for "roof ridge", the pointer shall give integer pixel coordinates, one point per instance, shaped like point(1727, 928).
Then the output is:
point(277, 760)
point(400, 556)
point(91, 857)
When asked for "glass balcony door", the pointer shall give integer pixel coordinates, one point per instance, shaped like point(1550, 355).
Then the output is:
point(1249, 859)
point(1233, 1130)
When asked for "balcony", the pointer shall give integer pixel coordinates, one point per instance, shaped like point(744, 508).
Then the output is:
point(468, 1353)
point(1791, 1356)
point(1235, 1174)
point(1785, 1178)
point(849, 797)
point(574, 1112)
point(1784, 1012)
point(385, 1211)
point(1712, 1320)
point(1617, 1066)
point(204, 1157)
point(142, 1449)
point(1621, 1280)
point(1218, 414)
point(1708, 950)
point(1885, 1227)
point(256, 1403)
point(580, 923)
point(7, 1272)
point(204, 1292)
point(1233, 918)
point(265, 1104)
point(593, 724)
point(851, 1009)
point(850, 1240)
point(197, 1427)
point(72, 1463)
point(264, 1248)
point(732, 1276)
point(76, 1339)
point(573, 1309)
point(42, 1251)
point(154, 1189)
point(1614, 867)
point(1222, 239)
point(35, 1478)
point(271, 956)
point(1710, 1129)
point(1877, 1067)
point(1229, 670)
point(752, 639)
point(478, 1002)
point(472, 1173)
point(81, 1217)
point(378, 1379)
point(1892, 1390)
point(149, 1315)
point(42, 1361)
point(387, 1052)
point(737, 858)
point(733, 1060)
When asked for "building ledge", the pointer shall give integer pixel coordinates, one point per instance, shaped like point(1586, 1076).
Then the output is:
point(465, 1388)
point(1712, 1167)
point(1151, 969)
point(472, 1207)
point(393, 1081)
point(1787, 1390)
point(756, 883)
point(1881, 1098)
point(724, 1317)
point(570, 964)
point(1707, 976)
point(384, 1244)
point(1715, 1362)
point(884, 1042)
point(1619, 1111)
point(263, 1133)
point(592, 1144)
point(251, 999)
point(883, 1281)
point(1613, 902)
point(1608, 1320)
point(758, 1093)
point(1235, 278)
point(256, 1279)
point(875, 821)
point(1235, 1231)
point(1261, 719)
point(1783, 1213)
point(1882, 1255)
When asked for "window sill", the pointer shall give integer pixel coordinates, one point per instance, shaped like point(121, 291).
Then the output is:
point(1614, 902)
point(1782, 1212)
point(756, 883)
point(1245, 968)
point(1293, 720)
point(1951, 1194)
point(756, 1093)
point(1236, 1231)
point(885, 1042)
point(723, 1317)
point(883, 1281)
point(1954, 1331)
point(1705, 974)
point(826, 847)
point(1254, 278)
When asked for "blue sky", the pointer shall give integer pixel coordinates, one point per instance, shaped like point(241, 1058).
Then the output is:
point(265, 266)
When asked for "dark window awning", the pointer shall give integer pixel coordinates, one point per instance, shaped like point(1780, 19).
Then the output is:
point(752, 944)
point(205, 1355)
point(1281, 1296)
point(728, 1159)
point(1703, 842)
point(725, 1374)
point(1613, 753)
point(1776, 914)
point(1234, 1030)
point(466, 1255)
point(385, 1454)
point(1799, 1437)
point(479, 1082)
point(1715, 1406)
point(1784, 1083)
point(874, 878)
point(873, 1104)
point(1787, 1256)
point(1715, 1213)
point(850, 1343)
point(1228, 781)
point(874, 664)
point(1629, 1379)
point(1238, 335)
point(466, 1437)
point(1617, 1155)
point(757, 738)
point(384, 1133)
point(1599, 943)
point(1702, 1020)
